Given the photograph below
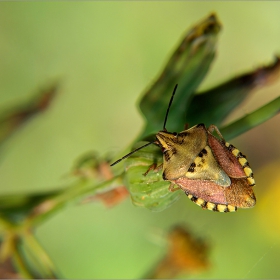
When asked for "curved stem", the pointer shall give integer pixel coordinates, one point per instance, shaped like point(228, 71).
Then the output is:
point(251, 120)
point(69, 195)
point(44, 264)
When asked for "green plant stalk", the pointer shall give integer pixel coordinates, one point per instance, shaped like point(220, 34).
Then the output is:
point(44, 263)
point(21, 265)
point(41, 213)
point(69, 195)
point(251, 120)
point(14, 238)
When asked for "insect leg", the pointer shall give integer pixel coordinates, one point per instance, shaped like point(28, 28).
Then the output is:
point(212, 127)
point(153, 167)
point(172, 188)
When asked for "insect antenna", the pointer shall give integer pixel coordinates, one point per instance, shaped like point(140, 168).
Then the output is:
point(126, 156)
point(167, 112)
point(165, 120)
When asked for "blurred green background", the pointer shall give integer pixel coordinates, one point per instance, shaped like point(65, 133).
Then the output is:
point(105, 54)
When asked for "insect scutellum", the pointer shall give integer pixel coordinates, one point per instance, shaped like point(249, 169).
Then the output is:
point(155, 142)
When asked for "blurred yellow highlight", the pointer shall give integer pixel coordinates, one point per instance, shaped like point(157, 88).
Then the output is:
point(268, 210)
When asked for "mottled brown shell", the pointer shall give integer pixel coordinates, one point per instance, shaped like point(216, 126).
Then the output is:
point(213, 173)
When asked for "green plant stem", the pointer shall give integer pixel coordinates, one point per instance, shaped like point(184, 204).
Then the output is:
point(251, 120)
point(21, 231)
point(39, 255)
point(69, 195)
point(20, 264)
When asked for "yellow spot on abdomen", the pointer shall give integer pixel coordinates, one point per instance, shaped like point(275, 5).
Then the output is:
point(242, 161)
point(199, 201)
point(210, 205)
point(248, 171)
point(251, 181)
point(231, 208)
point(221, 207)
point(236, 152)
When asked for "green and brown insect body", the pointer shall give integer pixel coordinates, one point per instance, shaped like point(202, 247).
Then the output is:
point(213, 173)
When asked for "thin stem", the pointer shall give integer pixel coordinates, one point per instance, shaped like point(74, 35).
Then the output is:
point(69, 195)
point(251, 120)
point(40, 256)
point(20, 264)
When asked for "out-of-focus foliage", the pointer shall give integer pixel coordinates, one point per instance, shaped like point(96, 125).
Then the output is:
point(186, 254)
point(20, 214)
point(13, 119)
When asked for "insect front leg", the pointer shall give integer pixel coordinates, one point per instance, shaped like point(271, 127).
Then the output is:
point(172, 188)
point(212, 127)
point(153, 167)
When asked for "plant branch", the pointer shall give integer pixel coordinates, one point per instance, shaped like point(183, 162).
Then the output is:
point(251, 120)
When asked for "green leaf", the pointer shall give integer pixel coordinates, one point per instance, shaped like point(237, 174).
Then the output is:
point(214, 105)
point(14, 118)
point(187, 67)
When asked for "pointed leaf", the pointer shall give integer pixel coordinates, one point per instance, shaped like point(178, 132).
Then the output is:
point(187, 67)
point(13, 119)
point(212, 106)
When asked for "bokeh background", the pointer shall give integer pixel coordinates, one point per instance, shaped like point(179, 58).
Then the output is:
point(105, 54)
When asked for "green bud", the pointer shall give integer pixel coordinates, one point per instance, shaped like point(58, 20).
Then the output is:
point(149, 191)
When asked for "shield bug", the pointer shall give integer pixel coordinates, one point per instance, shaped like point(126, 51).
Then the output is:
point(213, 173)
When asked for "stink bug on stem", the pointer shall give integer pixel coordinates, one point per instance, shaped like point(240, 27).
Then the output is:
point(213, 173)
